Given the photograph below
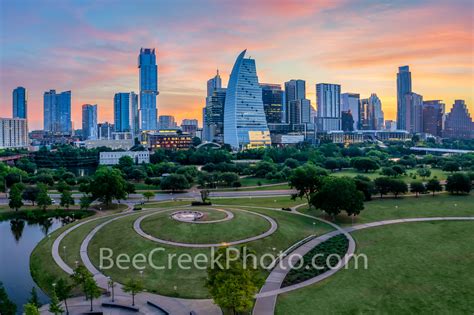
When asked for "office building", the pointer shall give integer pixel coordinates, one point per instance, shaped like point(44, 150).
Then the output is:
point(20, 103)
point(167, 122)
point(458, 124)
point(57, 112)
point(403, 88)
point(148, 89)
point(299, 111)
point(350, 104)
point(390, 125)
point(113, 158)
point(213, 116)
point(245, 124)
point(13, 133)
point(328, 99)
point(89, 122)
point(126, 117)
point(414, 113)
point(214, 84)
point(189, 126)
point(168, 139)
point(104, 131)
point(294, 90)
point(272, 98)
point(347, 121)
point(433, 117)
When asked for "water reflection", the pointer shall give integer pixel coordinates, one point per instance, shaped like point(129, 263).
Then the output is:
point(17, 226)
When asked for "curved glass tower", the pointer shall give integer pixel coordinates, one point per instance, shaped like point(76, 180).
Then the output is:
point(244, 117)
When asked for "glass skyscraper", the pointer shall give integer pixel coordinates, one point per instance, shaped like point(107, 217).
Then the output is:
point(20, 102)
point(294, 90)
point(244, 117)
point(57, 112)
point(89, 121)
point(272, 98)
point(403, 88)
point(126, 117)
point(328, 99)
point(148, 88)
point(350, 104)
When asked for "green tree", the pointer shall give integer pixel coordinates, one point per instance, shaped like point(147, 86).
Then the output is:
point(62, 186)
point(204, 195)
point(125, 162)
point(434, 185)
point(458, 183)
point(64, 289)
point(388, 171)
point(398, 186)
point(31, 194)
point(417, 188)
point(232, 288)
point(306, 180)
point(338, 194)
point(7, 307)
point(451, 167)
point(382, 185)
point(424, 172)
point(133, 286)
point(80, 275)
point(34, 299)
point(364, 185)
point(85, 202)
point(107, 185)
point(43, 199)
point(148, 195)
point(364, 164)
point(175, 182)
point(228, 178)
point(91, 290)
point(66, 199)
point(31, 309)
point(16, 201)
point(55, 305)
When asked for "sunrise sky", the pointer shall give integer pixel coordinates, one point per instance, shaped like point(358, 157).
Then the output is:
point(91, 48)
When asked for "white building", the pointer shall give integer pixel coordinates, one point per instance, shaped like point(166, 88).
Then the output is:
point(328, 99)
point(112, 158)
point(13, 133)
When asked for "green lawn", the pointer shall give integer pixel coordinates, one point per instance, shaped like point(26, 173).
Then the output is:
point(269, 202)
point(243, 225)
point(413, 268)
point(372, 175)
point(253, 181)
point(408, 207)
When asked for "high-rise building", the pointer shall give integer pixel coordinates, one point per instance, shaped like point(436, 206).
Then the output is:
point(414, 112)
point(57, 112)
point(189, 126)
point(347, 121)
point(372, 117)
point(328, 99)
point(245, 124)
point(13, 133)
point(299, 112)
point(350, 102)
point(458, 122)
point(20, 103)
point(433, 117)
point(272, 98)
point(89, 122)
point(167, 122)
point(148, 88)
point(126, 117)
point(390, 125)
point(403, 88)
point(213, 116)
point(294, 90)
point(105, 130)
point(214, 84)
point(378, 112)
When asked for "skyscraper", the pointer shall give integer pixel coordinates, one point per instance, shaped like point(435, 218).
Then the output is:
point(245, 124)
point(403, 88)
point(414, 112)
point(89, 121)
point(433, 117)
point(328, 99)
point(300, 112)
point(189, 126)
point(105, 130)
point(272, 98)
point(294, 90)
point(214, 84)
point(148, 88)
point(57, 112)
point(126, 113)
point(167, 122)
point(350, 102)
point(372, 116)
point(213, 116)
point(458, 122)
point(20, 103)
point(13, 133)
point(378, 112)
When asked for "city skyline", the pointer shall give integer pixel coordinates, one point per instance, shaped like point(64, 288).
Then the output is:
point(189, 50)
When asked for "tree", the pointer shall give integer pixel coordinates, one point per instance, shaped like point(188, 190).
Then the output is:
point(292, 163)
point(424, 172)
point(434, 185)
point(228, 178)
point(417, 188)
point(306, 180)
point(85, 202)
point(66, 199)
point(451, 167)
point(107, 185)
point(204, 195)
point(398, 186)
point(231, 285)
point(382, 185)
point(34, 299)
point(364, 185)
point(148, 195)
point(7, 307)
point(63, 289)
point(125, 162)
point(31, 194)
point(133, 287)
point(91, 290)
point(388, 171)
point(80, 275)
point(458, 183)
point(16, 201)
point(54, 305)
point(364, 164)
point(175, 182)
point(31, 309)
point(43, 199)
point(62, 186)
point(338, 194)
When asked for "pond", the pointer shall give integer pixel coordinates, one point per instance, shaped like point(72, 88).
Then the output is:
point(18, 238)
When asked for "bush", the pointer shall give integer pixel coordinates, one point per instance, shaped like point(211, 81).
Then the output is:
point(200, 203)
point(137, 208)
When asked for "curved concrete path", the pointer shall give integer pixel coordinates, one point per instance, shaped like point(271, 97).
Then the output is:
point(266, 299)
point(270, 231)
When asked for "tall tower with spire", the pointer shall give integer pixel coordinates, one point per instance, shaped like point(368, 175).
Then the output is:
point(148, 88)
point(214, 84)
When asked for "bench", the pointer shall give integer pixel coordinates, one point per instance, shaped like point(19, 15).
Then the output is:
point(157, 307)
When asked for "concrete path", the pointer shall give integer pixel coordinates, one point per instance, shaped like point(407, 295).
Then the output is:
point(266, 299)
point(270, 231)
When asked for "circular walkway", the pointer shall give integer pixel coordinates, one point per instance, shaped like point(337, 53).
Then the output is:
point(229, 216)
point(270, 231)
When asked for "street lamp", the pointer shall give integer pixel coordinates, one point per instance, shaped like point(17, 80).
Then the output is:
point(111, 284)
point(64, 248)
point(314, 227)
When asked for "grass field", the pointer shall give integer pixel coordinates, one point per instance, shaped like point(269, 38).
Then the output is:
point(372, 175)
point(413, 268)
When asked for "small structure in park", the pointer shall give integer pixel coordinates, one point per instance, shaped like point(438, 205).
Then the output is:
point(187, 215)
